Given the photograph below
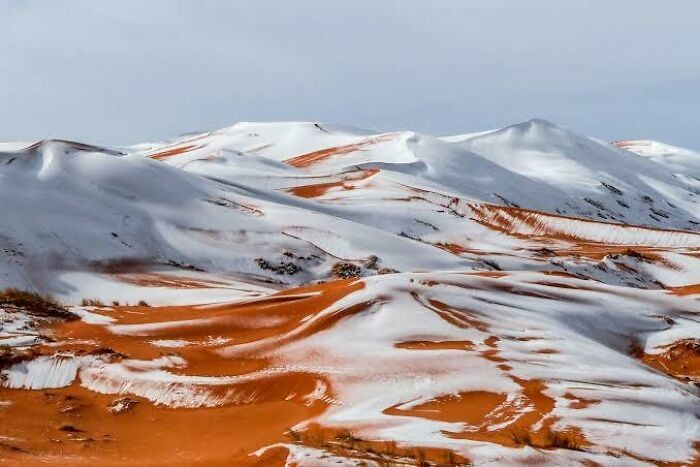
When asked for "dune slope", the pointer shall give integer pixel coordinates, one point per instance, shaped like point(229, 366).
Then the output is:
point(306, 294)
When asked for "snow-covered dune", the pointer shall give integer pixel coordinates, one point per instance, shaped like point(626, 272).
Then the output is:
point(73, 208)
point(313, 294)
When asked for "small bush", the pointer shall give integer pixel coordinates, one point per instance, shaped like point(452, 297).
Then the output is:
point(143, 303)
point(386, 270)
point(346, 270)
point(285, 267)
point(544, 251)
point(595, 203)
point(659, 213)
point(91, 302)
point(612, 188)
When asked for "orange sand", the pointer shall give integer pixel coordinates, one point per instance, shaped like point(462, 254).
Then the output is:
point(311, 158)
point(347, 182)
point(173, 152)
point(147, 434)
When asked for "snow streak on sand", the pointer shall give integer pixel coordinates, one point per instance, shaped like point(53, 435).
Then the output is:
point(310, 294)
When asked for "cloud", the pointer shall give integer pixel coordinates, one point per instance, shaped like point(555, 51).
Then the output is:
point(126, 71)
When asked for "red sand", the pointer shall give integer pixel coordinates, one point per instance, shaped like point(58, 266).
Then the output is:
point(147, 434)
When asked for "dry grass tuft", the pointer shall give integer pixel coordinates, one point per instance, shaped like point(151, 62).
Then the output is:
point(346, 270)
point(91, 302)
point(40, 306)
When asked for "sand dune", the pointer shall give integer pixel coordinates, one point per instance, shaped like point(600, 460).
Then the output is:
point(306, 294)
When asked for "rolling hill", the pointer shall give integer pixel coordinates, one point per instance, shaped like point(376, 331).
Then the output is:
point(306, 294)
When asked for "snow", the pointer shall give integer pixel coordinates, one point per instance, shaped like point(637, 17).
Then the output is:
point(545, 250)
point(42, 373)
point(17, 329)
point(680, 160)
point(221, 206)
point(590, 330)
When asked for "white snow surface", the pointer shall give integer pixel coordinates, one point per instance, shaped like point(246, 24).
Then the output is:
point(586, 328)
point(578, 238)
point(99, 213)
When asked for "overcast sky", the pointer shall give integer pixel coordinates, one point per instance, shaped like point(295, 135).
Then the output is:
point(118, 72)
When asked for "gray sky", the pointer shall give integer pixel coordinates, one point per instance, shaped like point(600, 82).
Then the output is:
point(117, 72)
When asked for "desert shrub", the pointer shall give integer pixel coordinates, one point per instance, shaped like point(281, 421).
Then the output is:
point(346, 270)
point(91, 302)
point(285, 267)
point(612, 188)
point(386, 270)
point(595, 203)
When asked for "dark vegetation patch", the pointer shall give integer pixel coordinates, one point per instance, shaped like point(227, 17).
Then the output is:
point(106, 352)
point(632, 253)
point(386, 270)
point(40, 306)
point(37, 306)
point(544, 251)
point(409, 236)
point(346, 270)
point(612, 188)
point(284, 267)
point(181, 265)
point(491, 264)
point(91, 302)
point(660, 213)
point(427, 224)
point(288, 266)
point(595, 203)
point(506, 201)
